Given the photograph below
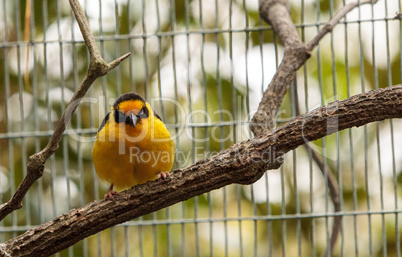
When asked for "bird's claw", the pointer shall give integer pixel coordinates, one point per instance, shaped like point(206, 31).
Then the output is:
point(163, 174)
point(110, 193)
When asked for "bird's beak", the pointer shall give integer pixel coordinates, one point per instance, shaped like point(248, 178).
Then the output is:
point(134, 119)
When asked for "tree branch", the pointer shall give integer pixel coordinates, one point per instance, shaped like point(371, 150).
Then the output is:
point(296, 53)
point(97, 68)
point(242, 163)
point(335, 20)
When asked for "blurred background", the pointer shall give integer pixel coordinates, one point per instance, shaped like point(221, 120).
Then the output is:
point(203, 66)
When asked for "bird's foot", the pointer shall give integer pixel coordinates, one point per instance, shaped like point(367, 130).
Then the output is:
point(163, 174)
point(110, 193)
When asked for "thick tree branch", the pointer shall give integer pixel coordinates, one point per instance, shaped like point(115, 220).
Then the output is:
point(97, 67)
point(242, 163)
point(276, 13)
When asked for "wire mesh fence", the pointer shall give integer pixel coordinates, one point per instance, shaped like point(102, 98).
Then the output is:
point(203, 66)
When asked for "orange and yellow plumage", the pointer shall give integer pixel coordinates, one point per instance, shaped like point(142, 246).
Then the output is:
point(132, 146)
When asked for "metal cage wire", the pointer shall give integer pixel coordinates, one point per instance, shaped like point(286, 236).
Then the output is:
point(203, 66)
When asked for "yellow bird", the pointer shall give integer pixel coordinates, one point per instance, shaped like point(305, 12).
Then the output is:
point(132, 146)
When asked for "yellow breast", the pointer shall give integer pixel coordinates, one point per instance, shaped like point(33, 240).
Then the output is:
point(125, 156)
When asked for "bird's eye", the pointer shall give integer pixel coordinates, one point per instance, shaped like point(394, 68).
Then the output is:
point(122, 117)
point(142, 114)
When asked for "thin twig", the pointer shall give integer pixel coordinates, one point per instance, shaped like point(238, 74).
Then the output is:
point(335, 20)
point(97, 68)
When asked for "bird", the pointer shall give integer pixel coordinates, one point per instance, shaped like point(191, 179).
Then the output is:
point(132, 145)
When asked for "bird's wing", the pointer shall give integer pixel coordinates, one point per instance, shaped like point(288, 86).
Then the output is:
point(157, 116)
point(106, 119)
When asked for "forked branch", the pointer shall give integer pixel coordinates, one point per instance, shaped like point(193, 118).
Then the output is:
point(97, 68)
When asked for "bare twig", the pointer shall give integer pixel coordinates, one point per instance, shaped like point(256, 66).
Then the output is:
point(97, 67)
point(335, 20)
point(242, 163)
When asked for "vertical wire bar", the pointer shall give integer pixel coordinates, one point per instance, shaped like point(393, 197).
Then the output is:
point(389, 79)
point(397, 232)
point(187, 7)
point(206, 135)
point(354, 190)
point(234, 98)
point(102, 50)
point(158, 72)
point(310, 161)
point(62, 103)
point(48, 104)
point(236, 111)
point(293, 107)
point(221, 131)
point(8, 127)
point(337, 135)
point(247, 39)
point(4, 21)
point(29, 47)
point(144, 49)
point(268, 210)
point(130, 47)
point(167, 210)
point(350, 140)
point(79, 126)
point(323, 141)
point(104, 92)
point(211, 244)
point(158, 31)
point(144, 53)
point(14, 218)
point(283, 211)
point(40, 184)
point(118, 84)
point(275, 40)
point(50, 126)
point(178, 159)
point(62, 87)
point(351, 151)
point(168, 216)
point(176, 114)
point(35, 105)
point(117, 47)
point(378, 128)
point(236, 115)
point(196, 202)
point(246, 58)
point(95, 179)
point(365, 141)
